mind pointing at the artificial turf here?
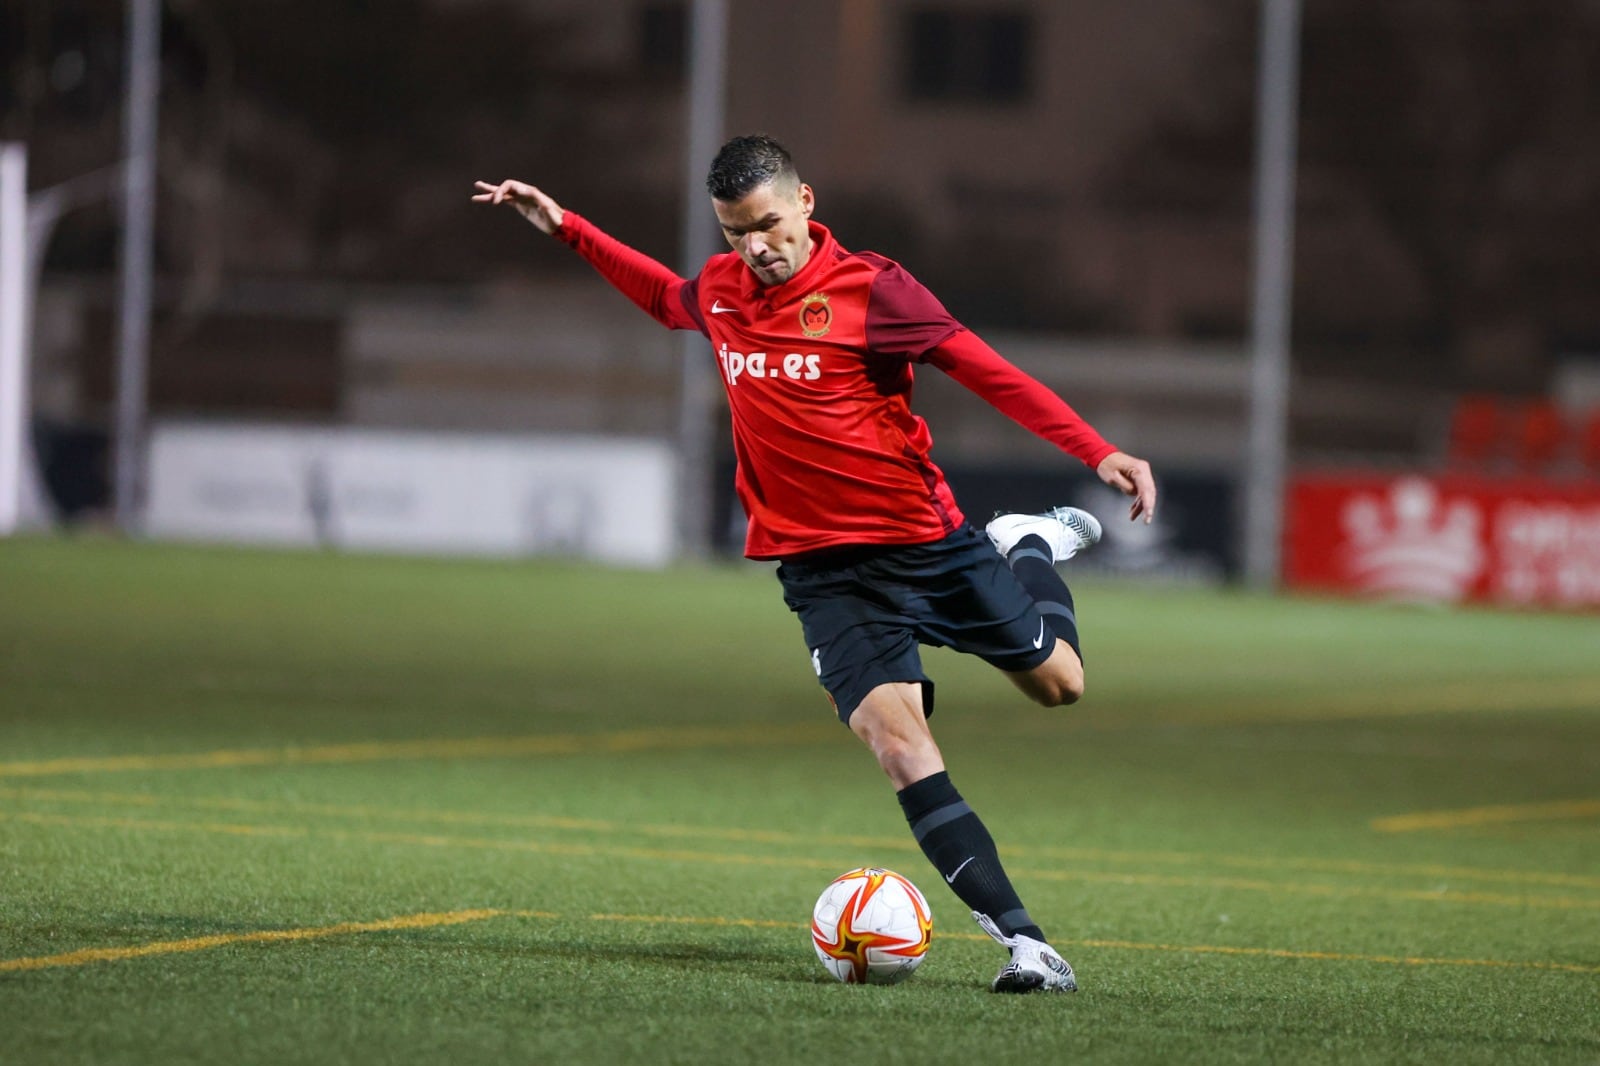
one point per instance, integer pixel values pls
(278, 807)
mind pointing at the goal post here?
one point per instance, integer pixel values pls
(14, 309)
(24, 230)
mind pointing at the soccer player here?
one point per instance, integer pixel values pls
(816, 346)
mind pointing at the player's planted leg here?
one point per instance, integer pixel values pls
(958, 844)
(1034, 967)
(892, 724)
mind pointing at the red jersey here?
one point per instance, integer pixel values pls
(818, 372)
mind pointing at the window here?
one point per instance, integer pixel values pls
(983, 57)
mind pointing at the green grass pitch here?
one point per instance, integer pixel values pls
(266, 807)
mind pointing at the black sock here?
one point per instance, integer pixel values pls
(961, 849)
(1033, 564)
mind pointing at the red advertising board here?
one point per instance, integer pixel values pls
(1445, 538)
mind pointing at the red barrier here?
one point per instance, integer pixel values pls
(1445, 538)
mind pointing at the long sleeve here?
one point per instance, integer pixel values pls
(654, 287)
(1023, 399)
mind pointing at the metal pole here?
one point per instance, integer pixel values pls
(697, 387)
(13, 331)
(1277, 108)
(138, 231)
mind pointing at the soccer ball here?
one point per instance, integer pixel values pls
(871, 926)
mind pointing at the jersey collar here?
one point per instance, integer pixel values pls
(822, 249)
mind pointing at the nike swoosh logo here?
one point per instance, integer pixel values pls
(1038, 642)
(718, 309)
(952, 878)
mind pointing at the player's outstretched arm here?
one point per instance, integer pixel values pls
(653, 286)
(529, 202)
(1131, 477)
(970, 361)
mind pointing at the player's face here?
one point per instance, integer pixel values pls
(769, 230)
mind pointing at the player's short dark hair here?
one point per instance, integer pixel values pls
(745, 164)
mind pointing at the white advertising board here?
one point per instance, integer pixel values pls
(609, 499)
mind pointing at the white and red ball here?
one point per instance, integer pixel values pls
(871, 926)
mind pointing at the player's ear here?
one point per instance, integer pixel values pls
(808, 200)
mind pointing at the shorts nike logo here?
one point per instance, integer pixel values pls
(718, 309)
(952, 878)
(1038, 642)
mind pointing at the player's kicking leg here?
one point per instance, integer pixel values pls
(1032, 545)
(890, 720)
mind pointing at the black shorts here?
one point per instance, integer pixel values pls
(865, 609)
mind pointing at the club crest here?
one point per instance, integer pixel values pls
(816, 318)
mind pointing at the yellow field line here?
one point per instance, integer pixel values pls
(1135, 945)
(771, 836)
(418, 839)
(1320, 956)
(684, 919)
(266, 936)
(1495, 899)
(86, 956)
(1385, 700)
(677, 738)
(97, 822)
(1467, 817)
(799, 862)
(1391, 701)
(1570, 693)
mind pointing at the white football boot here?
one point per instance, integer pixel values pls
(1067, 530)
(1034, 967)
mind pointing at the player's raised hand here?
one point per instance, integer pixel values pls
(530, 203)
(1131, 477)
